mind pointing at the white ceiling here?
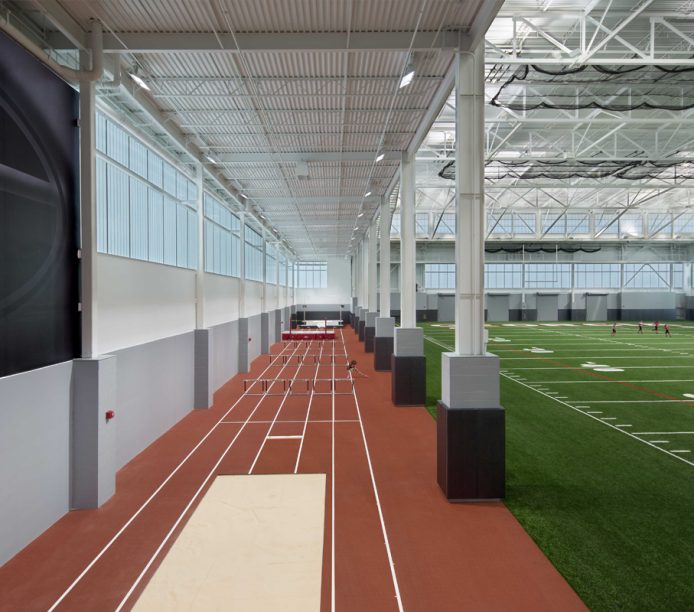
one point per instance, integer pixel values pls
(293, 99)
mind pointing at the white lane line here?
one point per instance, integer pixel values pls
(332, 480)
(396, 586)
(146, 503)
(301, 421)
(297, 437)
(308, 411)
(590, 416)
(284, 399)
(192, 499)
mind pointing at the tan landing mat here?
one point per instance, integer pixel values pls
(255, 543)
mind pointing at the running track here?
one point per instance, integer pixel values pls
(391, 540)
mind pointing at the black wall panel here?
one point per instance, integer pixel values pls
(39, 275)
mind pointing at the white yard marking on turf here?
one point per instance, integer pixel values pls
(575, 409)
(660, 441)
(608, 418)
(680, 451)
(636, 401)
(536, 349)
(608, 370)
(691, 395)
(623, 425)
(591, 411)
(664, 433)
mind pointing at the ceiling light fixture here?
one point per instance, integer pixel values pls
(244, 196)
(211, 160)
(407, 76)
(139, 80)
(367, 194)
(380, 156)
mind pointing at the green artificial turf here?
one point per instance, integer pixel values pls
(613, 514)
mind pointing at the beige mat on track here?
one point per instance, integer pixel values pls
(255, 543)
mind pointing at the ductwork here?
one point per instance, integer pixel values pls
(68, 74)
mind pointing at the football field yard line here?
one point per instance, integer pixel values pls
(663, 433)
(650, 443)
(603, 382)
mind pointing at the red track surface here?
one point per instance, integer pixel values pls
(446, 556)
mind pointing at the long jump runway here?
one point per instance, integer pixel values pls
(390, 539)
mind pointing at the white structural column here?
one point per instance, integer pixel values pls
(384, 280)
(408, 246)
(408, 363)
(364, 272)
(264, 271)
(469, 207)
(242, 267)
(470, 419)
(88, 214)
(200, 271)
(203, 382)
(385, 324)
(372, 268)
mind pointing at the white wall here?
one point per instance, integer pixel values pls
(221, 299)
(339, 289)
(254, 298)
(138, 301)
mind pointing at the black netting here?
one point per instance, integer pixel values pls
(584, 87)
(567, 169)
(540, 249)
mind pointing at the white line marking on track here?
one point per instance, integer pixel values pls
(153, 495)
(279, 410)
(298, 437)
(192, 501)
(378, 501)
(308, 411)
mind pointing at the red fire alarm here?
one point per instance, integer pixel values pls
(110, 414)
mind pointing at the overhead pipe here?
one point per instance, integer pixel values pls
(96, 44)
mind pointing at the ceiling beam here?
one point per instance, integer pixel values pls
(268, 200)
(137, 42)
(332, 156)
(61, 19)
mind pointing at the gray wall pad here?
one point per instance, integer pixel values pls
(278, 325)
(155, 391)
(264, 333)
(385, 327)
(93, 461)
(409, 342)
(243, 345)
(470, 381)
(254, 335)
(225, 354)
(35, 451)
(204, 379)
